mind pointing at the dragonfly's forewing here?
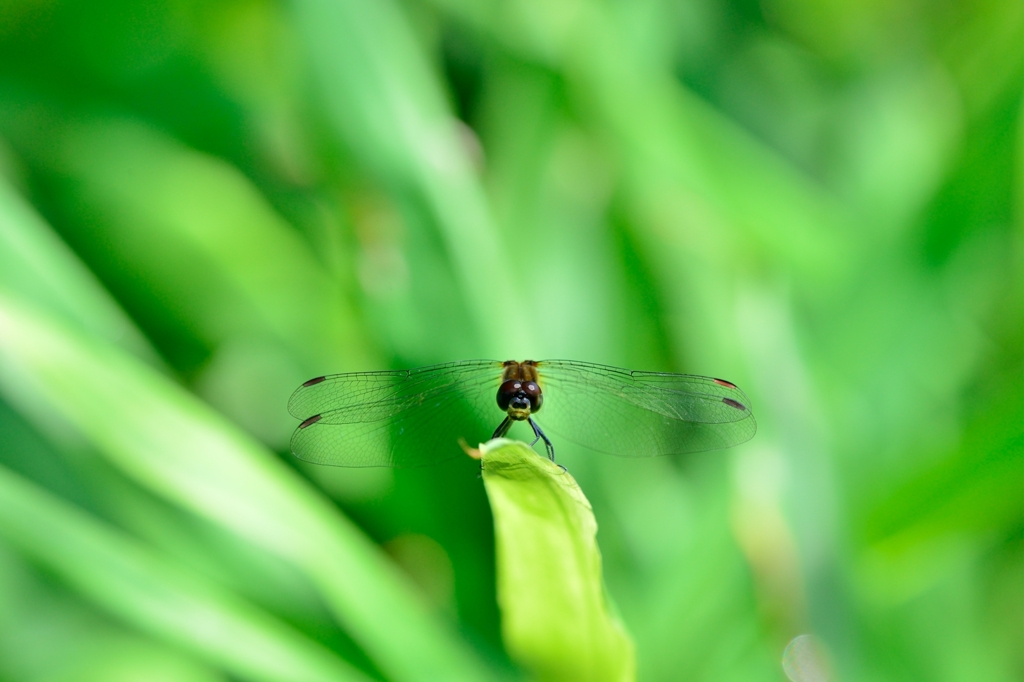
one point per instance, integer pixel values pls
(641, 414)
(396, 418)
(417, 417)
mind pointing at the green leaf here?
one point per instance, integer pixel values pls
(382, 97)
(170, 442)
(213, 242)
(39, 266)
(157, 596)
(556, 618)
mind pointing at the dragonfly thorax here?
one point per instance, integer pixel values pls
(519, 398)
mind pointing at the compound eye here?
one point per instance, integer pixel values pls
(532, 390)
(507, 391)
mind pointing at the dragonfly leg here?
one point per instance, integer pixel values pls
(503, 428)
(547, 444)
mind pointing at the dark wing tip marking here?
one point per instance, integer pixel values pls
(312, 420)
(734, 403)
(723, 382)
(313, 382)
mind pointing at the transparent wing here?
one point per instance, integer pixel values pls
(641, 414)
(405, 418)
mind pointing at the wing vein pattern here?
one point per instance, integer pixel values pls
(409, 418)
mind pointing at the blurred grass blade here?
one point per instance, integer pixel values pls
(694, 179)
(36, 264)
(156, 597)
(212, 242)
(979, 488)
(556, 620)
(170, 442)
(384, 99)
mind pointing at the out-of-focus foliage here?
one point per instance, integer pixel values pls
(202, 204)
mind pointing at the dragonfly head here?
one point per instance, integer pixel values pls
(519, 398)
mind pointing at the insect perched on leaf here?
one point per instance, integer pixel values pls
(416, 417)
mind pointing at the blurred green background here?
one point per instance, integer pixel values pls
(203, 204)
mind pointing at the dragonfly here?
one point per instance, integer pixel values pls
(419, 417)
